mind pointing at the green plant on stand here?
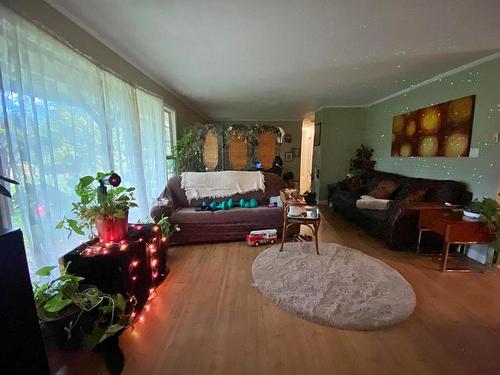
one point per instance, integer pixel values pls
(187, 153)
(94, 205)
(362, 161)
(490, 214)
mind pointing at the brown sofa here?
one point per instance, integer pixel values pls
(397, 226)
(224, 225)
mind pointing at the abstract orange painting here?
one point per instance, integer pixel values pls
(440, 130)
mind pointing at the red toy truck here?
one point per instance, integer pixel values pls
(261, 237)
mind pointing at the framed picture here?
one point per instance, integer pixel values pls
(288, 156)
(443, 129)
(317, 134)
(288, 138)
(296, 152)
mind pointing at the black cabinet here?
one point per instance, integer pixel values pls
(23, 350)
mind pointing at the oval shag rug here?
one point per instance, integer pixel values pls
(342, 287)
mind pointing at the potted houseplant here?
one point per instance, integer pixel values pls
(362, 161)
(187, 153)
(100, 207)
(490, 214)
(166, 228)
(73, 313)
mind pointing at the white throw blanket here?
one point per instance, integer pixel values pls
(367, 202)
(220, 184)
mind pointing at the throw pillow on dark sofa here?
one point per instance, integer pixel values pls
(414, 196)
(384, 189)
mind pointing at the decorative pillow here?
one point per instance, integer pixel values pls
(384, 189)
(414, 196)
(353, 184)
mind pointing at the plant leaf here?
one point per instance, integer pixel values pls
(86, 181)
(120, 302)
(101, 175)
(92, 339)
(5, 192)
(71, 277)
(57, 303)
(75, 227)
(45, 271)
(6, 179)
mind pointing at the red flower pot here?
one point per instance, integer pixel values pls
(112, 228)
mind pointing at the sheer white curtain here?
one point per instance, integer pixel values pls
(62, 117)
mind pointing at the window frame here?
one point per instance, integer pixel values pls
(172, 136)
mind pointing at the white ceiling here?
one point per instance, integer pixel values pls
(282, 59)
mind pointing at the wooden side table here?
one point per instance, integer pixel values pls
(312, 223)
(454, 230)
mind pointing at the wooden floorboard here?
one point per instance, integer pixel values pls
(208, 319)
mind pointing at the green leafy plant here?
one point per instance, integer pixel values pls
(362, 161)
(490, 214)
(93, 204)
(166, 227)
(187, 153)
(63, 296)
(53, 296)
(3, 189)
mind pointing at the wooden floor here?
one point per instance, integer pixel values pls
(208, 319)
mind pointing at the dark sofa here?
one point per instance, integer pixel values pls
(225, 225)
(397, 226)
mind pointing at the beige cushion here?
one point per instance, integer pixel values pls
(369, 203)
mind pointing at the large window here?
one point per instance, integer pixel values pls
(62, 117)
(170, 131)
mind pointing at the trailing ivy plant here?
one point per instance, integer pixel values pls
(62, 296)
(54, 295)
(92, 205)
(187, 153)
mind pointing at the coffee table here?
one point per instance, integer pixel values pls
(454, 230)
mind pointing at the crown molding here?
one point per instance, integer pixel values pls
(448, 73)
(341, 106)
(257, 121)
(438, 77)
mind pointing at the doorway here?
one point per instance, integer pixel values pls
(306, 155)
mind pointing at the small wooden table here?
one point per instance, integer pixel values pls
(311, 222)
(454, 230)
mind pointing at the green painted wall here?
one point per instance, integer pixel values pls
(482, 173)
(342, 131)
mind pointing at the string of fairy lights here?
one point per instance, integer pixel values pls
(152, 246)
